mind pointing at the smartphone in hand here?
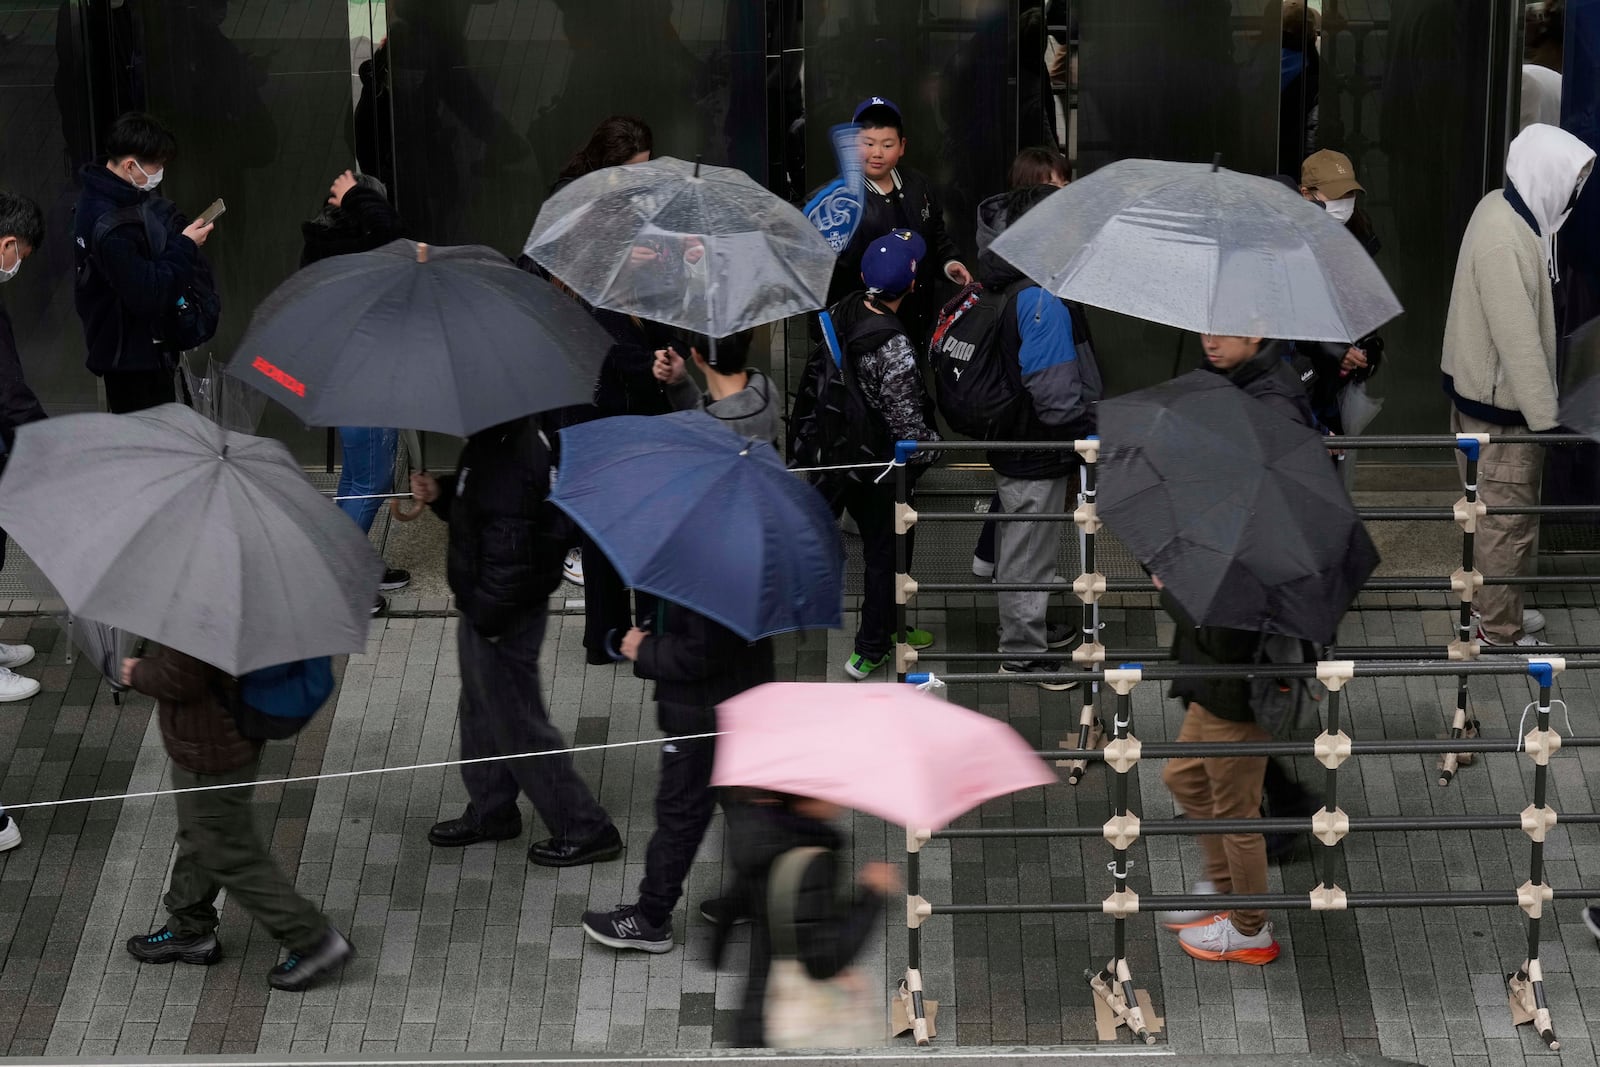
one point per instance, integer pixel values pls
(212, 213)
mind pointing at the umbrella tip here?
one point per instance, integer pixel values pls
(422, 252)
(1216, 162)
(697, 161)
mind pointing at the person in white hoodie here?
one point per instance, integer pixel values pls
(1499, 359)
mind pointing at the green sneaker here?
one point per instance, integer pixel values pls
(917, 638)
(858, 666)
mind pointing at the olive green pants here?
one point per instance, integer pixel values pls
(218, 848)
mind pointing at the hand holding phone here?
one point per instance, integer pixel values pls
(212, 213)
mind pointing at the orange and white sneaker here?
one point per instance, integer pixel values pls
(1182, 920)
(1219, 941)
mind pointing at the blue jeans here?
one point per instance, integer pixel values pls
(368, 470)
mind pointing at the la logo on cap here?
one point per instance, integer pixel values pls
(878, 100)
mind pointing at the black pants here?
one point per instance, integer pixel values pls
(683, 807)
(872, 506)
(135, 390)
(608, 605)
(501, 712)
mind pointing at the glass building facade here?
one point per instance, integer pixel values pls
(467, 109)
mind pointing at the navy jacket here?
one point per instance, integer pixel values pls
(698, 662)
(122, 298)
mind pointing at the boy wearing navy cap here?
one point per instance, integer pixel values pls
(898, 198)
(885, 364)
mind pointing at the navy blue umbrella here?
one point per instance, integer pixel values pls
(688, 510)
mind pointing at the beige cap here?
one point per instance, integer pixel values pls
(1331, 174)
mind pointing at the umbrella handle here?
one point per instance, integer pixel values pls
(400, 513)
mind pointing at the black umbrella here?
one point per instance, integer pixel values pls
(452, 340)
(1236, 508)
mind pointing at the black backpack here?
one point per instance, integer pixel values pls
(1284, 707)
(830, 421)
(193, 319)
(979, 392)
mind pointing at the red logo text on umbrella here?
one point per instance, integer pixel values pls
(279, 375)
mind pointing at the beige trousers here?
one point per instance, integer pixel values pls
(1508, 476)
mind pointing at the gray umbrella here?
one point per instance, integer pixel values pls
(702, 248)
(1204, 249)
(214, 543)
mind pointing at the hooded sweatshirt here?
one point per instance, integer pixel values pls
(1499, 359)
(751, 412)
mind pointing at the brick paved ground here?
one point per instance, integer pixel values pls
(476, 951)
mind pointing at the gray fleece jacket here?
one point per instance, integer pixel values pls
(751, 412)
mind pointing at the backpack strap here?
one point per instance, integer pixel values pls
(131, 215)
(783, 889)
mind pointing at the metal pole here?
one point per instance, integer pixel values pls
(1462, 725)
(1526, 985)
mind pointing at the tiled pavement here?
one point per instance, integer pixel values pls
(476, 951)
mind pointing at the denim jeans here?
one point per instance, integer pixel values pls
(368, 470)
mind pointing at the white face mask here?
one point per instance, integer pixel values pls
(7, 273)
(1341, 210)
(151, 178)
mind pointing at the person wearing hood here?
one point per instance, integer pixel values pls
(1046, 344)
(1499, 358)
(741, 398)
(125, 287)
(829, 930)
(358, 217)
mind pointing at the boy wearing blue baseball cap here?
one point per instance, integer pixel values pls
(884, 361)
(898, 198)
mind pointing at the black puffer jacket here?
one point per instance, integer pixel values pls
(507, 540)
(829, 930)
(363, 221)
(1270, 379)
(696, 661)
(197, 730)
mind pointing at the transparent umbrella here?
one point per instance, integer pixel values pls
(701, 248)
(1201, 248)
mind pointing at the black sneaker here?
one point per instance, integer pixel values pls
(627, 928)
(1035, 666)
(1591, 919)
(1060, 635)
(394, 578)
(379, 607)
(164, 946)
(298, 972)
(719, 910)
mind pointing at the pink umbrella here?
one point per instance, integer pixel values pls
(888, 750)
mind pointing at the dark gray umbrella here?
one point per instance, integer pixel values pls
(1237, 509)
(214, 543)
(452, 340)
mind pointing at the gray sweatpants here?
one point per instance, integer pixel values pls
(1026, 552)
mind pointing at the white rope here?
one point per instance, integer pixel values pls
(374, 496)
(357, 774)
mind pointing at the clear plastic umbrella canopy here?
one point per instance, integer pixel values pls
(1203, 249)
(701, 248)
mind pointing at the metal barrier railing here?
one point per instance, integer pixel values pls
(1121, 750)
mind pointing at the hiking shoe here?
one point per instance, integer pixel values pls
(299, 971)
(1060, 635)
(982, 568)
(1527, 640)
(1034, 666)
(164, 946)
(14, 686)
(15, 655)
(10, 833)
(1532, 620)
(1591, 919)
(394, 578)
(1219, 941)
(1182, 920)
(572, 567)
(916, 638)
(627, 928)
(726, 910)
(859, 666)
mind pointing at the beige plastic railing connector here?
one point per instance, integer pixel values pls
(915, 839)
(1459, 650)
(1332, 749)
(1123, 754)
(1537, 822)
(1467, 513)
(1091, 653)
(1089, 587)
(1330, 827)
(905, 588)
(1123, 679)
(1123, 902)
(1557, 663)
(904, 657)
(1087, 516)
(1541, 745)
(1531, 898)
(1089, 450)
(1122, 830)
(1328, 898)
(1466, 583)
(1333, 673)
(918, 911)
(905, 517)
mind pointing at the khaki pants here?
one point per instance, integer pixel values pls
(1224, 787)
(1508, 476)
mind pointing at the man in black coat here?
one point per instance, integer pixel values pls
(126, 290)
(696, 664)
(506, 545)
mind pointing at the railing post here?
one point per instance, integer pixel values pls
(1526, 984)
(1465, 582)
(904, 519)
(1090, 652)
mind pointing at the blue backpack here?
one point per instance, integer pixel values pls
(276, 702)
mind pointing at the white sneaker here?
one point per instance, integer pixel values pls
(572, 569)
(983, 568)
(1219, 941)
(16, 687)
(1182, 920)
(1532, 620)
(10, 834)
(15, 655)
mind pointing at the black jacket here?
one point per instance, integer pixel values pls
(124, 296)
(362, 222)
(1269, 378)
(911, 206)
(697, 662)
(829, 930)
(18, 405)
(507, 540)
(1192, 645)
